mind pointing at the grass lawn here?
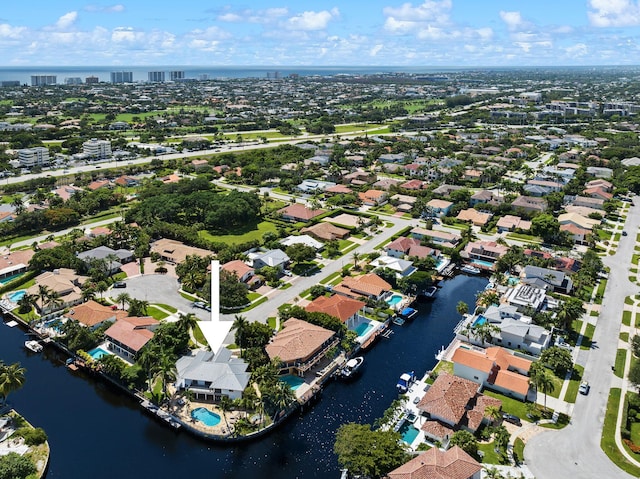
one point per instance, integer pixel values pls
(635, 432)
(253, 296)
(624, 337)
(489, 455)
(518, 450)
(557, 386)
(332, 279)
(250, 232)
(171, 309)
(523, 237)
(588, 335)
(574, 383)
(628, 300)
(189, 297)
(608, 441)
(155, 313)
(260, 301)
(621, 357)
(197, 333)
(444, 366)
(271, 321)
(510, 405)
(637, 319)
(626, 318)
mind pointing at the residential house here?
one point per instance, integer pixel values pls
(338, 190)
(482, 196)
(275, 258)
(579, 236)
(577, 220)
(443, 238)
(495, 368)
(598, 192)
(474, 216)
(511, 223)
(210, 376)
(402, 268)
(484, 251)
(297, 212)
(199, 164)
(314, 186)
(435, 463)
(439, 208)
(529, 204)
(373, 197)
(566, 265)
(97, 184)
(64, 283)
(300, 345)
(302, 239)
(240, 269)
(589, 202)
(67, 191)
(414, 185)
(368, 285)
(446, 190)
(13, 263)
(525, 296)
(126, 181)
(175, 252)
(600, 183)
(113, 259)
(386, 183)
(127, 336)
(550, 186)
(325, 232)
(452, 404)
(93, 315)
(338, 306)
(599, 172)
(549, 279)
(409, 247)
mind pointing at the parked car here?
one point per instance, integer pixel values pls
(198, 304)
(624, 233)
(119, 284)
(512, 419)
(584, 388)
(286, 272)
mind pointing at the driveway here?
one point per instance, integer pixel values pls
(575, 450)
(158, 288)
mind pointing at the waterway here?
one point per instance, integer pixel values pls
(98, 432)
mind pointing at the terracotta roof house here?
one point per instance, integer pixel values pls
(127, 336)
(373, 197)
(413, 185)
(439, 208)
(598, 192)
(299, 212)
(368, 285)
(456, 402)
(198, 164)
(338, 306)
(488, 251)
(474, 216)
(529, 204)
(300, 346)
(98, 231)
(325, 231)
(600, 183)
(386, 183)
(589, 202)
(67, 191)
(65, 283)
(97, 184)
(453, 463)
(126, 181)
(511, 223)
(14, 262)
(400, 247)
(210, 376)
(176, 252)
(578, 235)
(93, 315)
(494, 367)
(240, 269)
(444, 238)
(338, 190)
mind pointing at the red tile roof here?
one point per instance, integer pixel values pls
(298, 341)
(448, 397)
(336, 306)
(453, 463)
(299, 211)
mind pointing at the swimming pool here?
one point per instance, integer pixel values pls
(363, 328)
(479, 321)
(8, 279)
(394, 299)
(205, 416)
(55, 324)
(408, 432)
(294, 382)
(483, 263)
(97, 353)
(17, 295)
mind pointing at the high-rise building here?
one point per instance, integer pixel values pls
(30, 157)
(73, 81)
(156, 77)
(273, 75)
(91, 80)
(6, 83)
(176, 75)
(41, 80)
(95, 148)
(203, 77)
(121, 77)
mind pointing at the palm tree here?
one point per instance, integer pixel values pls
(462, 308)
(280, 396)
(43, 294)
(356, 257)
(166, 370)
(11, 379)
(187, 321)
(101, 287)
(492, 413)
(123, 298)
(542, 380)
(225, 405)
(571, 310)
(240, 324)
(54, 301)
(26, 303)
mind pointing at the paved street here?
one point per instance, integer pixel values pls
(575, 450)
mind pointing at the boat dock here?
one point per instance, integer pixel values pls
(448, 271)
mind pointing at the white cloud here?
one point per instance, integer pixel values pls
(512, 19)
(310, 21)
(577, 50)
(268, 15)
(230, 17)
(430, 10)
(375, 50)
(108, 9)
(614, 13)
(67, 20)
(11, 32)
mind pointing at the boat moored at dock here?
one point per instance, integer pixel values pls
(33, 345)
(469, 269)
(405, 382)
(351, 367)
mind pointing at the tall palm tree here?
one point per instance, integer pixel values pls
(543, 381)
(11, 379)
(280, 396)
(240, 324)
(123, 298)
(187, 321)
(356, 257)
(571, 309)
(54, 301)
(462, 308)
(225, 405)
(166, 370)
(43, 294)
(492, 413)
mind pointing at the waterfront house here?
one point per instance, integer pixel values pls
(442, 238)
(435, 463)
(486, 251)
(401, 267)
(93, 314)
(325, 231)
(345, 309)
(409, 247)
(209, 376)
(297, 212)
(127, 336)
(300, 345)
(495, 368)
(368, 285)
(175, 252)
(64, 283)
(549, 279)
(451, 404)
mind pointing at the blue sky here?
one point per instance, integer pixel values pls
(319, 32)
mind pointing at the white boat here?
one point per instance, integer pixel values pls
(351, 368)
(467, 268)
(405, 382)
(33, 345)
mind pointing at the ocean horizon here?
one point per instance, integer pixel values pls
(140, 73)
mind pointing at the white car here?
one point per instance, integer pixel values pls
(584, 388)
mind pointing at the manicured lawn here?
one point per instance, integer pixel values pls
(444, 366)
(510, 405)
(169, 308)
(608, 442)
(260, 301)
(523, 237)
(624, 337)
(626, 318)
(637, 319)
(253, 296)
(518, 450)
(188, 296)
(621, 357)
(155, 313)
(588, 335)
(197, 333)
(331, 279)
(490, 456)
(574, 383)
(271, 321)
(628, 300)
(251, 232)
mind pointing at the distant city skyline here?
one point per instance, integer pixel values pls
(270, 32)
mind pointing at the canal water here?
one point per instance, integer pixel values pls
(98, 432)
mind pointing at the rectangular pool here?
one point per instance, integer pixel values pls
(408, 432)
(294, 382)
(97, 353)
(363, 328)
(483, 263)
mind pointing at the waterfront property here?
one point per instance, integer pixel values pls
(127, 336)
(453, 463)
(348, 310)
(205, 416)
(367, 285)
(64, 283)
(92, 314)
